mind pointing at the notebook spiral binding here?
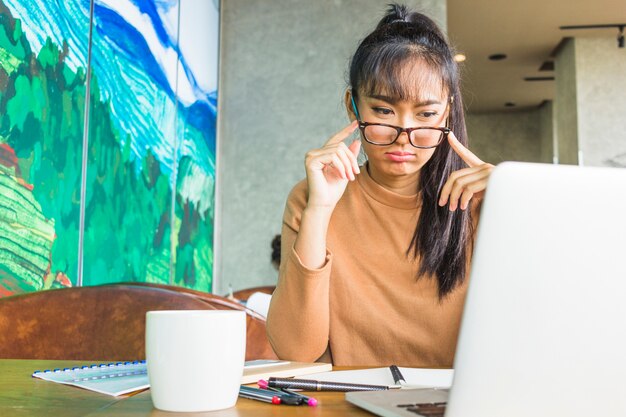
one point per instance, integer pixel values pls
(107, 367)
(94, 366)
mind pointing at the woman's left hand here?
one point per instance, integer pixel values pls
(467, 183)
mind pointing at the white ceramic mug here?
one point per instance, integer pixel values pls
(195, 358)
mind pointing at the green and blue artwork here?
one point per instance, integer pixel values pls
(145, 183)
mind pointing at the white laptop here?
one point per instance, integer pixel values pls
(544, 326)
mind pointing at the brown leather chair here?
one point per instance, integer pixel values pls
(89, 323)
(243, 295)
(84, 323)
(257, 344)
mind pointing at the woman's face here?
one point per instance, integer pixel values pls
(428, 107)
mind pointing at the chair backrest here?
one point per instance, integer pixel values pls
(257, 343)
(216, 300)
(84, 323)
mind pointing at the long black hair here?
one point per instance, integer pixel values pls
(442, 238)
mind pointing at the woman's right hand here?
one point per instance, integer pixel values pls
(329, 168)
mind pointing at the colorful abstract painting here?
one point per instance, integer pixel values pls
(148, 203)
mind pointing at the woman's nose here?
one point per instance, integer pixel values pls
(403, 138)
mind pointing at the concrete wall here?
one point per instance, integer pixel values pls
(590, 102)
(549, 144)
(566, 113)
(282, 80)
(601, 99)
(512, 136)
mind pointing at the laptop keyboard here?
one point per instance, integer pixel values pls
(426, 409)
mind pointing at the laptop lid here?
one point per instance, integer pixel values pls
(544, 325)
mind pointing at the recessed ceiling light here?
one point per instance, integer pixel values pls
(460, 57)
(497, 57)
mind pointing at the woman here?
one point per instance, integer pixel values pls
(375, 258)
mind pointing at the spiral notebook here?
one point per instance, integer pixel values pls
(119, 378)
(116, 378)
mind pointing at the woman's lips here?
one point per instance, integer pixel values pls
(400, 156)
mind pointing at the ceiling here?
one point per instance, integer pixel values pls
(527, 31)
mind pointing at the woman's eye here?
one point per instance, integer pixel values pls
(428, 114)
(382, 110)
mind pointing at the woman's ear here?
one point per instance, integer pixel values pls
(347, 101)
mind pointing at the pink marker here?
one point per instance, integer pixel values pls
(310, 401)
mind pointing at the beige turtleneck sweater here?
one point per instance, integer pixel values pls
(365, 306)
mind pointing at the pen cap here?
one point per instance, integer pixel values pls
(195, 358)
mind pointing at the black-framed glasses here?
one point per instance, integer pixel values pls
(420, 137)
(381, 134)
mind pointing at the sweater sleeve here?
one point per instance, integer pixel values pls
(298, 317)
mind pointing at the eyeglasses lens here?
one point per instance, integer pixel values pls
(426, 137)
(381, 135)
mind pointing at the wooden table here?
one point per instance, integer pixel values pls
(22, 395)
